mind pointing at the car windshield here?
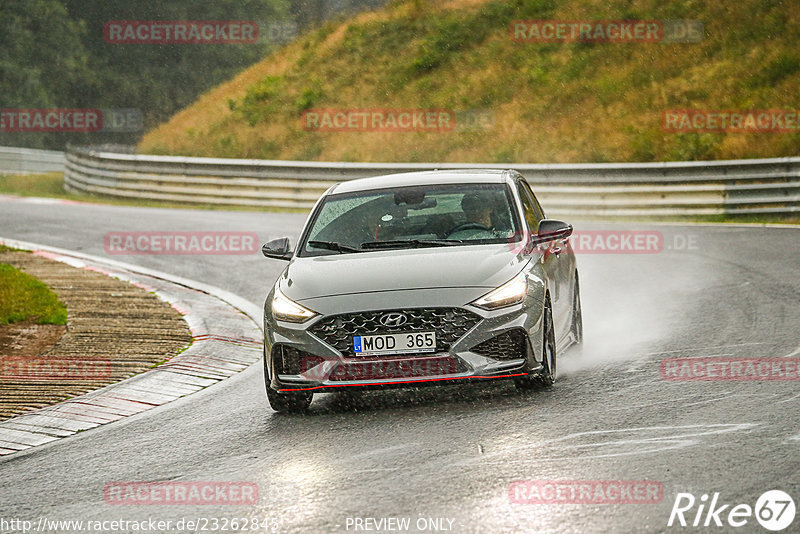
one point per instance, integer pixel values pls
(411, 217)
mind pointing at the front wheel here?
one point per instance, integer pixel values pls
(577, 314)
(547, 376)
(293, 402)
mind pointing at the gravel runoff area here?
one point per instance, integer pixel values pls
(121, 323)
(114, 330)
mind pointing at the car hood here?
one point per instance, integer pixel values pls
(484, 266)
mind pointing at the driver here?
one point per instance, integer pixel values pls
(478, 209)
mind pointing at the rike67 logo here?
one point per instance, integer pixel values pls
(774, 510)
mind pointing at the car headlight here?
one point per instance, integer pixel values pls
(285, 309)
(512, 292)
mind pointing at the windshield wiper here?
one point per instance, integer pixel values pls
(333, 245)
(400, 243)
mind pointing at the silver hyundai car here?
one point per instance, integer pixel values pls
(420, 278)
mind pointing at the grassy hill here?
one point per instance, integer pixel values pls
(537, 102)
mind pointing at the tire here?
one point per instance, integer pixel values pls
(547, 376)
(295, 402)
(577, 314)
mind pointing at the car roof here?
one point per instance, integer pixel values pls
(390, 181)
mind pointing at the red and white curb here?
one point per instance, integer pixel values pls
(226, 336)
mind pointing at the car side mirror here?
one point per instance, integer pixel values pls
(551, 230)
(280, 249)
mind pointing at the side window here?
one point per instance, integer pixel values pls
(536, 206)
(528, 208)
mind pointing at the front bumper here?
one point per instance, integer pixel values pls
(402, 372)
(324, 367)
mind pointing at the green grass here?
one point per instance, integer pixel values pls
(23, 298)
(49, 185)
(52, 186)
(552, 102)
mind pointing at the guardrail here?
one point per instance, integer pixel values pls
(762, 186)
(14, 160)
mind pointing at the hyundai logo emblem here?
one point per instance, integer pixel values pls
(393, 319)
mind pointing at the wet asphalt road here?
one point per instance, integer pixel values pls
(446, 457)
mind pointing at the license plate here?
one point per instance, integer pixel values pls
(404, 343)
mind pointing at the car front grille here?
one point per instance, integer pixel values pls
(448, 323)
(510, 345)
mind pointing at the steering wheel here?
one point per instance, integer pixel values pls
(468, 226)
